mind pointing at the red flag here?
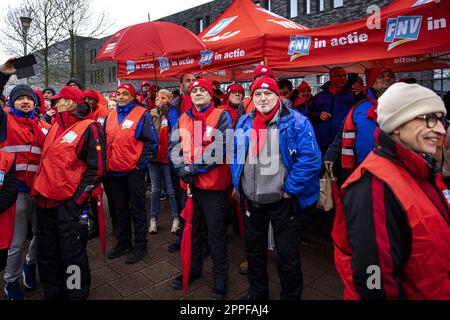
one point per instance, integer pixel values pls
(186, 240)
(97, 193)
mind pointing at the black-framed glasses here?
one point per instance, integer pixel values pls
(432, 120)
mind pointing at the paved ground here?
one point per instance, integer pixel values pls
(151, 278)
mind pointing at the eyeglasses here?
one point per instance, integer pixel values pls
(432, 120)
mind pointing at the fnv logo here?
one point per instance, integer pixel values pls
(402, 29)
(164, 64)
(206, 57)
(219, 27)
(131, 67)
(299, 46)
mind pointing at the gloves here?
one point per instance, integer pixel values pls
(190, 180)
(186, 175)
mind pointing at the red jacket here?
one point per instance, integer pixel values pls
(122, 148)
(6, 217)
(24, 138)
(424, 274)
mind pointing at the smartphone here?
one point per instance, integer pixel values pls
(25, 61)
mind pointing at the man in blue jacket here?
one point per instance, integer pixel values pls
(330, 107)
(276, 167)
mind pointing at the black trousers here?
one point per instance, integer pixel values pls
(210, 208)
(3, 258)
(129, 199)
(62, 246)
(284, 216)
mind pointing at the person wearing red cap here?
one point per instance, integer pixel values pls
(276, 165)
(235, 101)
(22, 133)
(304, 99)
(131, 143)
(99, 109)
(145, 87)
(355, 141)
(260, 71)
(151, 97)
(201, 132)
(71, 168)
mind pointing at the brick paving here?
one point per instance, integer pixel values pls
(150, 279)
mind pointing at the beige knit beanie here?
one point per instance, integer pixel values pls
(402, 102)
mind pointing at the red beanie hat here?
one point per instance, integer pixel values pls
(303, 85)
(129, 87)
(263, 70)
(204, 83)
(265, 83)
(373, 73)
(70, 93)
(235, 87)
(91, 94)
(112, 95)
(145, 83)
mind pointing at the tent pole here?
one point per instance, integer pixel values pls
(154, 68)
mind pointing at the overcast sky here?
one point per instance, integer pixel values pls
(124, 12)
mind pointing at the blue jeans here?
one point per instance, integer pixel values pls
(159, 171)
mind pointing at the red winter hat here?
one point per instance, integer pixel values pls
(112, 95)
(235, 87)
(303, 85)
(204, 83)
(263, 70)
(91, 94)
(70, 93)
(129, 87)
(373, 73)
(154, 87)
(144, 83)
(265, 83)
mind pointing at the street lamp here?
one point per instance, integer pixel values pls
(26, 23)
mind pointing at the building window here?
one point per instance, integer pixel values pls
(207, 21)
(92, 77)
(184, 24)
(200, 25)
(268, 4)
(293, 9)
(307, 6)
(320, 5)
(338, 3)
(102, 76)
(92, 55)
(441, 81)
(114, 74)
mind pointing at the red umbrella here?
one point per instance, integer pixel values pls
(149, 39)
(97, 194)
(186, 240)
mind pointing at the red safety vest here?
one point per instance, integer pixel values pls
(6, 217)
(232, 111)
(122, 148)
(21, 140)
(217, 178)
(426, 273)
(163, 141)
(60, 171)
(348, 157)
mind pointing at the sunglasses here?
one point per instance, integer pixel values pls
(432, 120)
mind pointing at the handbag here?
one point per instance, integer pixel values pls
(329, 192)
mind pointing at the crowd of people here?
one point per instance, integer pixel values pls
(255, 161)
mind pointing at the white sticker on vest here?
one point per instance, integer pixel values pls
(101, 121)
(248, 214)
(127, 124)
(447, 195)
(45, 131)
(2, 177)
(208, 131)
(69, 137)
(164, 123)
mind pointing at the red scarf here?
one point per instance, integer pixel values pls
(186, 103)
(259, 123)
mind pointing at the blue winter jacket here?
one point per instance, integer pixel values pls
(299, 152)
(338, 106)
(365, 128)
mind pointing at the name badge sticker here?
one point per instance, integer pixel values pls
(69, 137)
(127, 124)
(2, 177)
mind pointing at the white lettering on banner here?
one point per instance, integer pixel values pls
(186, 61)
(234, 54)
(401, 60)
(351, 38)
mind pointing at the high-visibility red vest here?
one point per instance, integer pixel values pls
(21, 140)
(163, 141)
(348, 144)
(426, 273)
(232, 111)
(60, 171)
(219, 177)
(6, 217)
(122, 148)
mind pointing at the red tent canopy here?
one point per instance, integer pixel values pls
(411, 35)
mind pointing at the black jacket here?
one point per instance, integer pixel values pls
(9, 191)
